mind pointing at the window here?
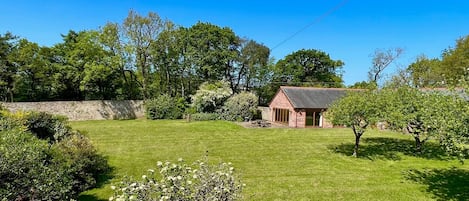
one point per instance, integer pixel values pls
(281, 115)
(313, 118)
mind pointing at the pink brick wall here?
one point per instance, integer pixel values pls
(296, 118)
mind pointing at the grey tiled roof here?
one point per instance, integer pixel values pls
(309, 97)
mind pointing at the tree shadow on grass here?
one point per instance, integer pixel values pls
(90, 198)
(444, 184)
(101, 180)
(391, 149)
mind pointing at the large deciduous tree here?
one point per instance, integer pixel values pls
(381, 59)
(213, 51)
(426, 72)
(35, 74)
(7, 68)
(141, 32)
(358, 110)
(309, 67)
(455, 62)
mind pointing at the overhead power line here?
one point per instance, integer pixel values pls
(316, 20)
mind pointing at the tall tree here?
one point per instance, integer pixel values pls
(381, 60)
(7, 68)
(141, 32)
(253, 61)
(113, 41)
(213, 51)
(455, 62)
(309, 67)
(426, 72)
(101, 70)
(35, 72)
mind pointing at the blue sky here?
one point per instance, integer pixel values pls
(351, 33)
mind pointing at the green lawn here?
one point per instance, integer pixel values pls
(284, 164)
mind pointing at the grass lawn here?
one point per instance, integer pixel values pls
(282, 163)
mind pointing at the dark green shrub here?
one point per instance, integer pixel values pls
(27, 171)
(78, 156)
(205, 116)
(47, 126)
(164, 107)
(240, 107)
(41, 158)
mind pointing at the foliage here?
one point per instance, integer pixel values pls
(47, 126)
(164, 107)
(26, 171)
(357, 110)
(205, 116)
(43, 159)
(211, 96)
(455, 62)
(426, 72)
(179, 181)
(309, 66)
(7, 68)
(240, 106)
(80, 159)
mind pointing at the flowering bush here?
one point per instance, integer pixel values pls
(240, 107)
(211, 96)
(179, 181)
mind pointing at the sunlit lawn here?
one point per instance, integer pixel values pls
(284, 164)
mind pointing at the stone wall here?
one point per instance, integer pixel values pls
(84, 110)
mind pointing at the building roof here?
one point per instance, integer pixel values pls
(312, 97)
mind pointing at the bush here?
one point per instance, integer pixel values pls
(178, 181)
(41, 158)
(27, 172)
(78, 156)
(211, 96)
(240, 107)
(47, 126)
(205, 116)
(164, 107)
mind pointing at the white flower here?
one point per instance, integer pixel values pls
(111, 198)
(179, 177)
(132, 197)
(152, 170)
(180, 159)
(189, 182)
(144, 176)
(113, 188)
(159, 163)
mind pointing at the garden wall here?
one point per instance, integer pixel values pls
(265, 112)
(84, 110)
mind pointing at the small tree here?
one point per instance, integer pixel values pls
(211, 96)
(423, 114)
(356, 110)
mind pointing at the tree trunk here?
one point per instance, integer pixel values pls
(355, 148)
(358, 134)
(418, 145)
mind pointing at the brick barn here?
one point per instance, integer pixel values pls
(301, 107)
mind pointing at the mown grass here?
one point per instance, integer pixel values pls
(283, 163)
